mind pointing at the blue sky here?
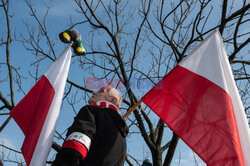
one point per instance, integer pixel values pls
(57, 21)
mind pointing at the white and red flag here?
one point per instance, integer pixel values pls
(37, 113)
(200, 102)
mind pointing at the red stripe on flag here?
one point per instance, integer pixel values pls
(200, 113)
(30, 114)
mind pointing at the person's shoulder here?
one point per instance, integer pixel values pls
(89, 108)
(87, 111)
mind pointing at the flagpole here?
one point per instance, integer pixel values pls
(131, 110)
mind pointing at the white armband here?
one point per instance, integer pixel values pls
(80, 137)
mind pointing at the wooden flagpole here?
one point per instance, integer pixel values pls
(131, 110)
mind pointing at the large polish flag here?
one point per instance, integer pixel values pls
(37, 113)
(200, 102)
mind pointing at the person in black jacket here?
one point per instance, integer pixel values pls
(146, 162)
(97, 135)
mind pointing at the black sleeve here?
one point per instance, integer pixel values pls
(84, 123)
(67, 157)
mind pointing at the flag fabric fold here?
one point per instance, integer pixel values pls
(37, 113)
(200, 102)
